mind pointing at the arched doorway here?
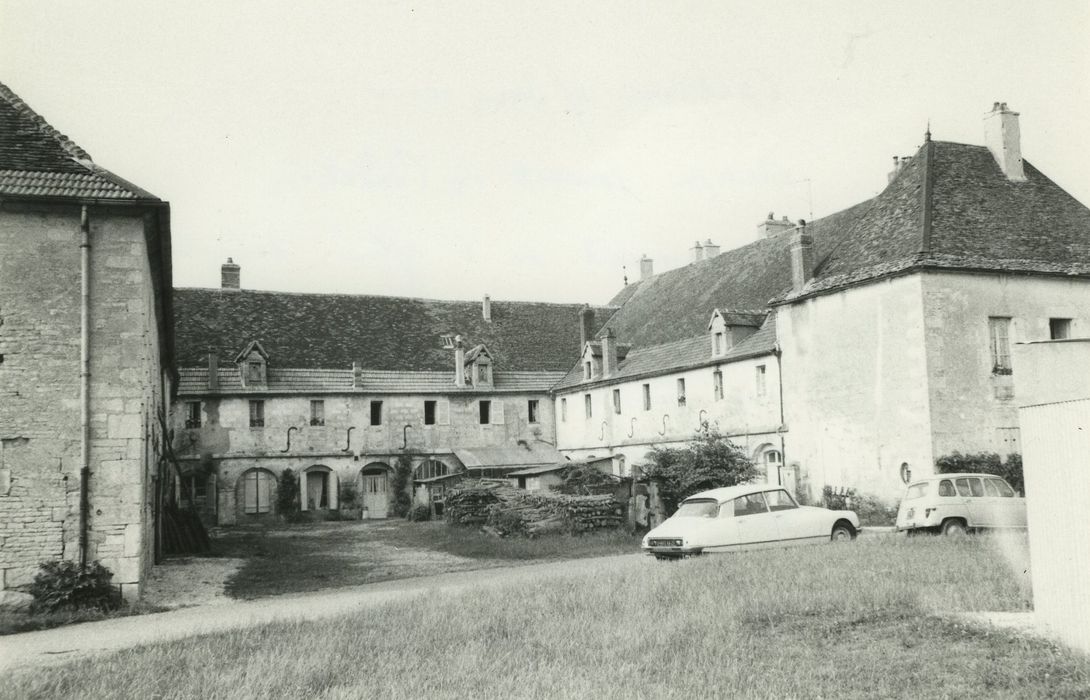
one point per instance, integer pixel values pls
(318, 490)
(431, 472)
(769, 460)
(375, 490)
(255, 494)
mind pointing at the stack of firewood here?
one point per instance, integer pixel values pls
(505, 510)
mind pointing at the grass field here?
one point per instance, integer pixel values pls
(868, 619)
(315, 556)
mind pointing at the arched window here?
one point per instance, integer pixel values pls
(257, 491)
(431, 468)
(318, 489)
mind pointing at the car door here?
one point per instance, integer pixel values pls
(753, 522)
(1009, 508)
(971, 491)
(794, 525)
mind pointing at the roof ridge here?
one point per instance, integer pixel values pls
(70, 147)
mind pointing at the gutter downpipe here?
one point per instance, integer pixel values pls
(783, 450)
(85, 384)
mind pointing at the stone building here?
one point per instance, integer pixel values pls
(337, 387)
(858, 348)
(85, 352)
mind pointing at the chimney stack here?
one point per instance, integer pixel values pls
(213, 371)
(609, 353)
(770, 226)
(802, 257)
(1004, 140)
(710, 249)
(357, 375)
(647, 268)
(459, 362)
(697, 252)
(230, 275)
(586, 326)
(486, 308)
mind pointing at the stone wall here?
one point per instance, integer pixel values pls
(39, 392)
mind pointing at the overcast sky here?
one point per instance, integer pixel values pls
(527, 150)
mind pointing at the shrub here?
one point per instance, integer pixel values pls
(872, 510)
(837, 498)
(711, 460)
(64, 585)
(287, 495)
(403, 472)
(347, 494)
(419, 512)
(986, 463)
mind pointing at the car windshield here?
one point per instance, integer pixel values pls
(698, 509)
(917, 491)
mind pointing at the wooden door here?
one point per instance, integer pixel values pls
(375, 498)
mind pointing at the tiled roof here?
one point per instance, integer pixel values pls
(194, 381)
(532, 454)
(381, 333)
(37, 160)
(678, 355)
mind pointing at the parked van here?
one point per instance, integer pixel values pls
(956, 503)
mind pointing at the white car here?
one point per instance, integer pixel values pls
(956, 503)
(746, 517)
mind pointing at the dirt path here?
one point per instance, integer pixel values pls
(48, 647)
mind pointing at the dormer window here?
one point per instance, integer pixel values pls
(478, 364)
(587, 370)
(484, 373)
(729, 328)
(252, 363)
(718, 342)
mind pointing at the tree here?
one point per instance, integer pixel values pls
(710, 461)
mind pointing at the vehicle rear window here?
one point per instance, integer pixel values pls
(703, 508)
(917, 491)
(946, 488)
(1004, 489)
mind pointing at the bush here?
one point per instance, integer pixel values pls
(347, 494)
(63, 585)
(711, 460)
(872, 510)
(837, 499)
(986, 463)
(287, 495)
(403, 472)
(419, 512)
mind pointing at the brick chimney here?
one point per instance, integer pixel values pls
(586, 326)
(230, 275)
(459, 362)
(710, 249)
(357, 375)
(213, 371)
(696, 253)
(1004, 140)
(802, 257)
(486, 308)
(609, 353)
(647, 267)
(770, 226)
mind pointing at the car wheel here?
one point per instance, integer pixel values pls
(954, 528)
(842, 533)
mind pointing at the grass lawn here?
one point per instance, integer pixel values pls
(862, 620)
(314, 556)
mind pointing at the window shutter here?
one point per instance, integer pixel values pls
(334, 490)
(442, 412)
(249, 492)
(497, 412)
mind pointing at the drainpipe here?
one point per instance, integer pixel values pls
(84, 384)
(783, 451)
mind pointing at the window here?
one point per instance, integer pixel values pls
(717, 385)
(485, 408)
(617, 401)
(563, 410)
(531, 411)
(1004, 489)
(760, 380)
(647, 397)
(484, 374)
(257, 487)
(969, 487)
(753, 504)
(999, 337)
(681, 391)
(586, 405)
(717, 343)
(698, 508)
(376, 413)
(1059, 328)
(195, 489)
(431, 468)
(255, 372)
(193, 414)
(586, 370)
(946, 489)
(429, 413)
(317, 412)
(779, 500)
(257, 414)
